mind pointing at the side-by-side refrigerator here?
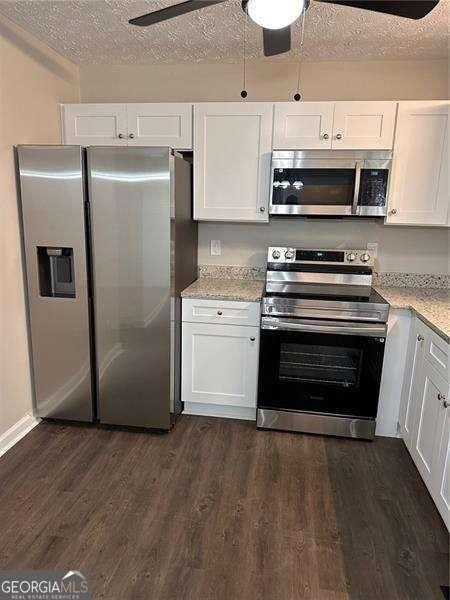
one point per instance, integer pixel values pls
(109, 244)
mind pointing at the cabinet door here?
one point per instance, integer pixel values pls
(160, 124)
(411, 381)
(441, 484)
(94, 124)
(303, 125)
(232, 157)
(429, 422)
(364, 125)
(419, 182)
(220, 364)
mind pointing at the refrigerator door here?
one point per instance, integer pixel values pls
(53, 219)
(130, 221)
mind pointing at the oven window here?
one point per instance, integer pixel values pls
(327, 365)
(311, 187)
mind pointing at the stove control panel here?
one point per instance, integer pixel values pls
(352, 257)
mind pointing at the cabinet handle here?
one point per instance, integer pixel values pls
(446, 404)
(325, 136)
(420, 338)
(131, 136)
(120, 136)
(220, 313)
(252, 339)
(443, 398)
(262, 209)
(393, 211)
(339, 136)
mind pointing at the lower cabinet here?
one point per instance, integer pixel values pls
(219, 361)
(424, 418)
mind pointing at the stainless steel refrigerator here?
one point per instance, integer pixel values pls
(109, 243)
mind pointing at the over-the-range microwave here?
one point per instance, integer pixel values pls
(330, 182)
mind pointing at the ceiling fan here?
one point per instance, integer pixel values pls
(276, 17)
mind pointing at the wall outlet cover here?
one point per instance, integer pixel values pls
(216, 249)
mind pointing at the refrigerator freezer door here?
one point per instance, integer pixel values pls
(52, 200)
(130, 220)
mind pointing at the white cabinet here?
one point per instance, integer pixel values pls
(232, 157)
(219, 362)
(150, 124)
(337, 125)
(419, 193)
(164, 124)
(425, 412)
(94, 124)
(302, 125)
(364, 125)
(429, 421)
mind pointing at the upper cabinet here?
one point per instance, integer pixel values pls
(153, 124)
(232, 155)
(94, 124)
(337, 125)
(303, 125)
(419, 192)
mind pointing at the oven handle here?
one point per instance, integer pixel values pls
(310, 326)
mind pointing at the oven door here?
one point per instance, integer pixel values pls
(315, 187)
(322, 367)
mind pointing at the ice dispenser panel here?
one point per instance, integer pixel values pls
(56, 272)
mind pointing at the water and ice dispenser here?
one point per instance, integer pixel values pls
(56, 272)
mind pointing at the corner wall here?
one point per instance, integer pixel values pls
(33, 80)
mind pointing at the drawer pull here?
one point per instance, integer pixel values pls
(220, 313)
(420, 338)
(252, 339)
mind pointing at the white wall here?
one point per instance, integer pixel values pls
(402, 249)
(33, 80)
(266, 80)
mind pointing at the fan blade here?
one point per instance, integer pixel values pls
(276, 41)
(172, 11)
(411, 9)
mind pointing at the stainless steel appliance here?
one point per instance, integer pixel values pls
(330, 183)
(323, 331)
(109, 243)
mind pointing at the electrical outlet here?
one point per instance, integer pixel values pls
(373, 248)
(216, 249)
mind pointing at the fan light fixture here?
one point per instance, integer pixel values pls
(275, 15)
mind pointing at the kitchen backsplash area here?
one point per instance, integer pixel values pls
(406, 257)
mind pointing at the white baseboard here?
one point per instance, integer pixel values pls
(220, 410)
(17, 432)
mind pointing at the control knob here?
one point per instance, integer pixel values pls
(289, 254)
(351, 257)
(365, 257)
(276, 254)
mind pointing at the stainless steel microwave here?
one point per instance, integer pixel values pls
(330, 182)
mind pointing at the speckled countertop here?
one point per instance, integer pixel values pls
(431, 305)
(245, 290)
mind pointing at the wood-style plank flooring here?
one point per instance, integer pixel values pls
(216, 510)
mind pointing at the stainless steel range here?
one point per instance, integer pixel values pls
(323, 332)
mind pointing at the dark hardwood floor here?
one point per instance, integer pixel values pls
(216, 510)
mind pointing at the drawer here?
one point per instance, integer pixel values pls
(225, 312)
(437, 352)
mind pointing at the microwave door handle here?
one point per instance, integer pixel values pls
(357, 186)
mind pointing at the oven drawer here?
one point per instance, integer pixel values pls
(225, 312)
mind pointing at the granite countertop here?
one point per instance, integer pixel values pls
(431, 305)
(245, 290)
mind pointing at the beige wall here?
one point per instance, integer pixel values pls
(402, 249)
(33, 80)
(267, 80)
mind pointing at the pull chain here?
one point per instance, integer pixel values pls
(297, 95)
(244, 91)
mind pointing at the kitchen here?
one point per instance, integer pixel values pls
(264, 260)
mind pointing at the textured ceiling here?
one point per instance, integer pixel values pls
(97, 32)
